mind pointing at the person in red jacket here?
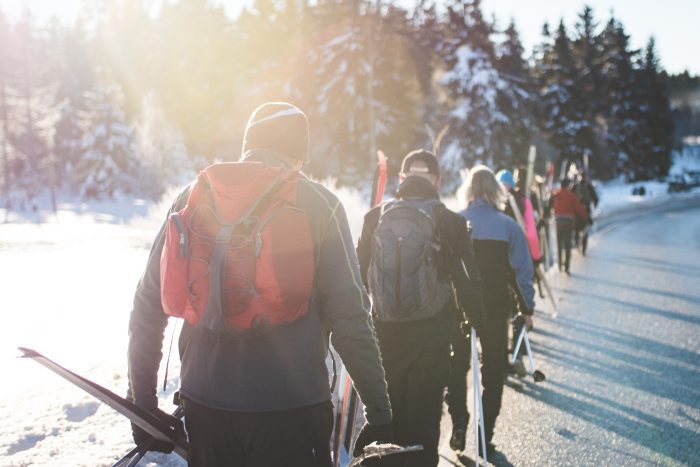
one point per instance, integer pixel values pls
(566, 208)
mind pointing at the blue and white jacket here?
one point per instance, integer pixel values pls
(502, 254)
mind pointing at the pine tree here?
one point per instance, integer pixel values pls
(74, 75)
(559, 119)
(424, 40)
(5, 65)
(515, 101)
(586, 91)
(363, 100)
(656, 119)
(161, 151)
(108, 165)
(472, 84)
(200, 71)
(622, 103)
(28, 111)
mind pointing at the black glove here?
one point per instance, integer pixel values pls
(371, 433)
(141, 438)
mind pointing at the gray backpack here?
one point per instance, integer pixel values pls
(406, 255)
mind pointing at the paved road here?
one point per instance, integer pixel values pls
(622, 358)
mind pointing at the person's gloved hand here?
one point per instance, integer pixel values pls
(141, 437)
(371, 433)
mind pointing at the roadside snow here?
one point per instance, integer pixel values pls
(618, 194)
(69, 279)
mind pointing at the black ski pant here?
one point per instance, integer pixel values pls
(565, 228)
(294, 438)
(416, 378)
(456, 396)
(494, 360)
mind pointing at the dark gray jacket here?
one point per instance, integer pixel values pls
(282, 369)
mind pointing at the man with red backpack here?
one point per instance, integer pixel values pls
(259, 262)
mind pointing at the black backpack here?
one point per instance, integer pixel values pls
(404, 273)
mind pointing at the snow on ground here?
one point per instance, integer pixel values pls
(617, 194)
(68, 281)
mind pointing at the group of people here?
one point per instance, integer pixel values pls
(260, 262)
(571, 205)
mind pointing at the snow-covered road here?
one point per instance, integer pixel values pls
(622, 359)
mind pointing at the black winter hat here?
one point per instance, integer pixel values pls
(278, 127)
(427, 157)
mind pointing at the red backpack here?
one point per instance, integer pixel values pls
(240, 254)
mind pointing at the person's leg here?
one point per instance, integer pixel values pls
(456, 396)
(494, 343)
(424, 396)
(396, 365)
(212, 439)
(293, 438)
(566, 233)
(560, 244)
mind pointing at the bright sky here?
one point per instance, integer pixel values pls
(674, 23)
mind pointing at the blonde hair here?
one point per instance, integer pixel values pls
(482, 183)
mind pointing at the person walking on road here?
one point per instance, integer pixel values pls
(566, 208)
(587, 195)
(525, 208)
(525, 214)
(504, 261)
(414, 253)
(259, 261)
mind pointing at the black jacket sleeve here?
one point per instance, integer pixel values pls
(364, 245)
(463, 268)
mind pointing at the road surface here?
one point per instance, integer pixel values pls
(622, 359)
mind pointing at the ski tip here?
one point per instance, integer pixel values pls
(28, 353)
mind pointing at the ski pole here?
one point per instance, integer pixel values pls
(478, 407)
(536, 374)
(133, 457)
(517, 345)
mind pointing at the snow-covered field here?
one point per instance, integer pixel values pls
(68, 281)
(67, 284)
